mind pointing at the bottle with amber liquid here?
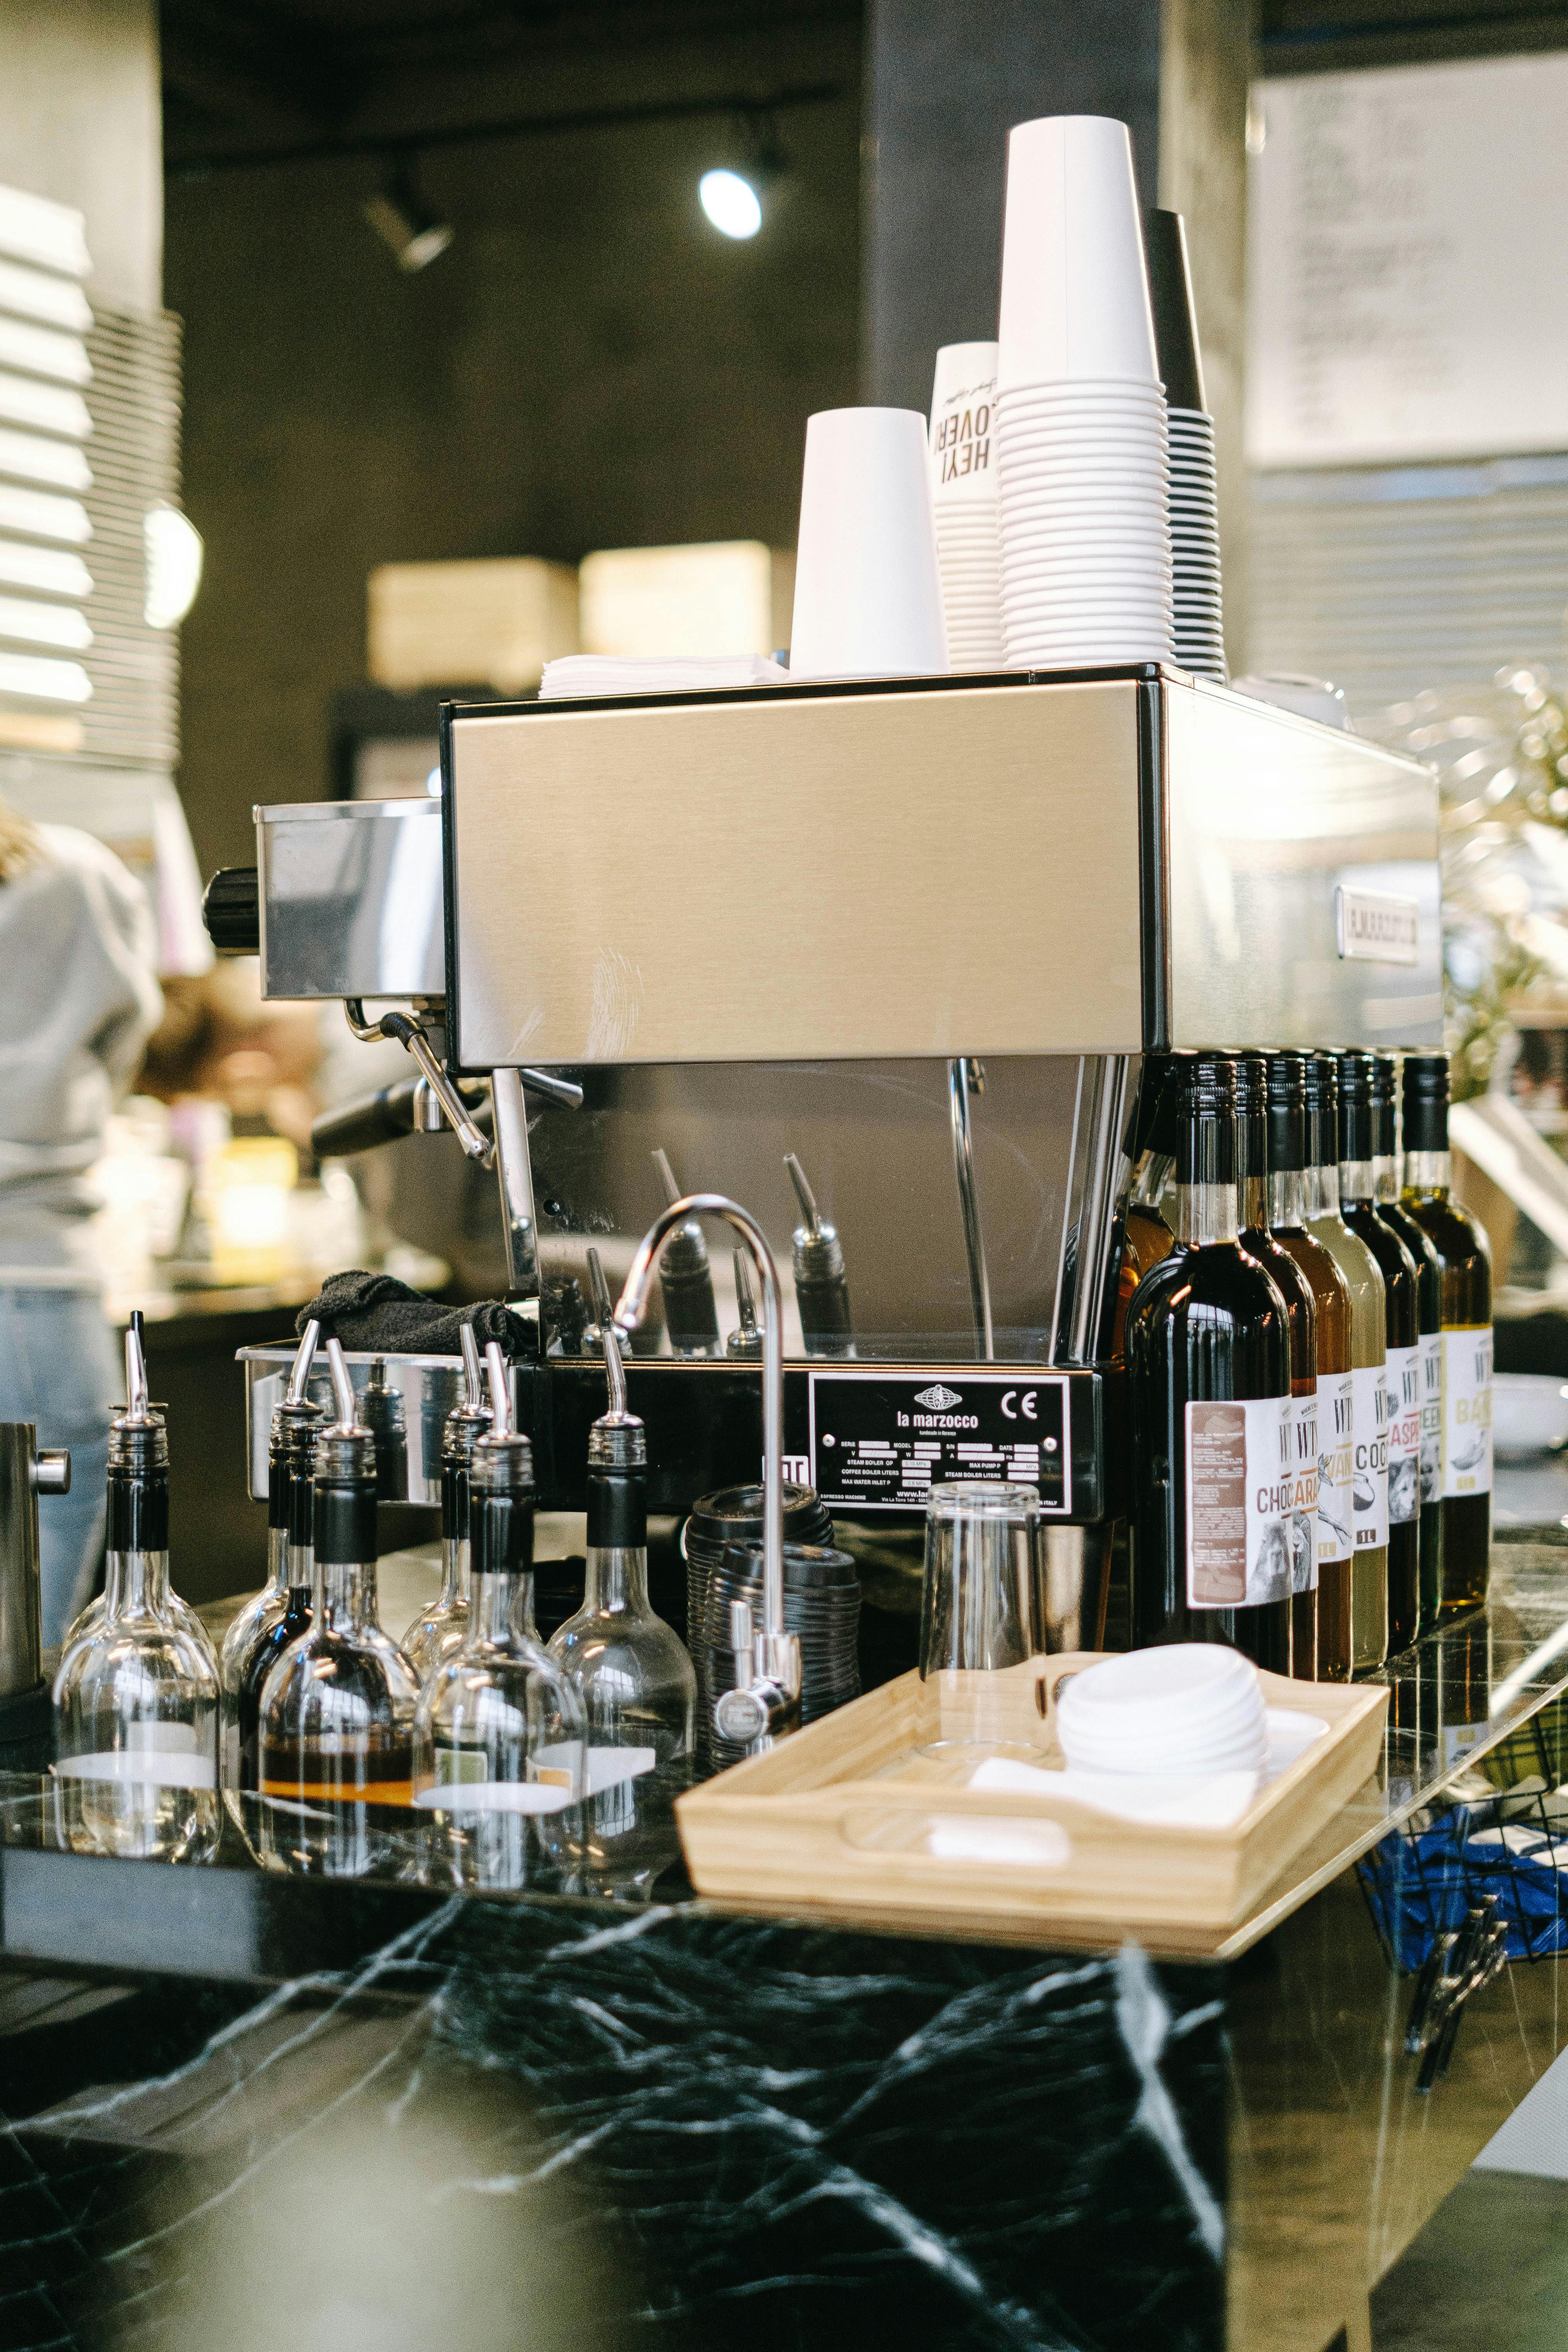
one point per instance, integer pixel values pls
(337, 1710)
(1208, 1386)
(1401, 1437)
(1467, 1334)
(1151, 1146)
(1429, 1331)
(1258, 1240)
(1369, 1345)
(1322, 1649)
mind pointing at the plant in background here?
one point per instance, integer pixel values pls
(1500, 755)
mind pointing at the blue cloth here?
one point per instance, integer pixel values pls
(57, 1370)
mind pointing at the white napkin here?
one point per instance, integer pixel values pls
(584, 674)
(1187, 1800)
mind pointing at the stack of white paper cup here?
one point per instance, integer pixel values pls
(1080, 410)
(1195, 1708)
(1199, 629)
(963, 500)
(867, 595)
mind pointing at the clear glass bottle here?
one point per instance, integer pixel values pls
(290, 1455)
(136, 1697)
(631, 1673)
(1369, 1351)
(498, 1735)
(1208, 1388)
(337, 1708)
(1402, 1367)
(1429, 1326)
(441, 1630)
(91, 1616)
(1467, 1334)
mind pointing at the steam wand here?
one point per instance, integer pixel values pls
(765, 1703)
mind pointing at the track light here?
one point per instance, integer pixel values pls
(411, 229)
(730, 202)
(172, 547)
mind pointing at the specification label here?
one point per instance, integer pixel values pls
(880, 1440)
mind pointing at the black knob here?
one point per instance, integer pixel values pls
(232, 910)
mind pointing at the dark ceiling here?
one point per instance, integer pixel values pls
(244, 80)
(247, 79)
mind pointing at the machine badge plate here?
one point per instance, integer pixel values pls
(879, 1439)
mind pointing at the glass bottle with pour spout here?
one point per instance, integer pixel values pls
(498, 1735)
(337, 1708)
(290, 1457)
(1145, 1238)
(91, 1614)
(445, 1623)
(630, 1671)
(136, 1697)
(1369, 1348)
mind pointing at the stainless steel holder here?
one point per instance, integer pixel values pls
(27, 1471)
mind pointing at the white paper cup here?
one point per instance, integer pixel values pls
(963, 417)
(868, 592)
(1075, 291)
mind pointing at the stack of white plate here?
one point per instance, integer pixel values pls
(963, 503)
(1194, 544)
(1195, 1707)
(1081, 438)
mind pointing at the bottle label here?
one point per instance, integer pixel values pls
(1239, 1483)
(1468, 1409)
(1336, 1467)
(1304, 1493)
(1405, 1378)
(1370, 1517)
(1432, 1417)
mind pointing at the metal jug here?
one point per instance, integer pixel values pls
(27, 1471)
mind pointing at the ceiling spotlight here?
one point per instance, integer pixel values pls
(411, 229)
(172, 547)
(730, 202)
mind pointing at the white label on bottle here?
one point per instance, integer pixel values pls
(1468, 1409)
(1405, 1384)
(1304, 1493)
(1336, 1462)
(1432, 1417)
(1371, 1516)
(1239, 1455)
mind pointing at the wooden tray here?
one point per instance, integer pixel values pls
(831, 1818)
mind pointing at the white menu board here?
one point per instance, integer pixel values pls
(1407, 264)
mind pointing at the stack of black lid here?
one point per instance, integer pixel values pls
(723, 1546)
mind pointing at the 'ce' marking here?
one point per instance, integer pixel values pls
(1026, 1406)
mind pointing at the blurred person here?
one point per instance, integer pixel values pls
(78, 995)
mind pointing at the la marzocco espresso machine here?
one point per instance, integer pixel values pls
(878, 961)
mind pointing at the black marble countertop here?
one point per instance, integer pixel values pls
(1458, 1699)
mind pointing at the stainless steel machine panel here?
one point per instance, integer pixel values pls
(1299, 903)
(351, 898)
(798, 875)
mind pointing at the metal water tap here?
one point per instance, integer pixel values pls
(765, 1705)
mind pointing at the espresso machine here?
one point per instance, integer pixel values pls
(879, 959)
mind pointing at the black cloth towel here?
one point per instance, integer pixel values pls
(376, 1315)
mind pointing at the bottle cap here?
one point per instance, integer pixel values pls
(1206, 1137)
(502, 1460)
(1425, 1093)
(138, 1440)
(1287, 1114)
(1354, 1073)
(467, 1421)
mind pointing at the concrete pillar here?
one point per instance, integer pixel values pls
(944, 84)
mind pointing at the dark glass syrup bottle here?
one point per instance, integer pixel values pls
(1429, 1329)
(1466, 1470)
(1399, 1464)
(1208, 1382)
